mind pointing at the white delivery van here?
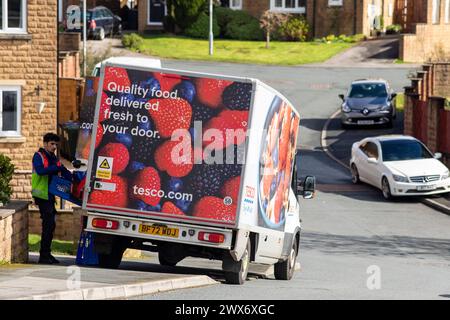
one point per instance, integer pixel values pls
(193, 164)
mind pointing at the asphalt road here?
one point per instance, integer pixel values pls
(352, 240)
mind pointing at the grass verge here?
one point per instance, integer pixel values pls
(58, 246)
(279, 53)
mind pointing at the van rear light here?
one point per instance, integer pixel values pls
(211, 237)
(105, 224)
(93, 24)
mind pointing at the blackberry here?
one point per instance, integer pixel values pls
(237, 96)
(142, 150)
(206, 180)
(201, 112)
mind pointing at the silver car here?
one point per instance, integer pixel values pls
(369, 102)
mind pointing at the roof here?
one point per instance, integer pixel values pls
(390, 137)
(369, 80)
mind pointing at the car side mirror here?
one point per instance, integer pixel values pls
(307, 188)
(342, 97)
(438, 155)
(372, 160)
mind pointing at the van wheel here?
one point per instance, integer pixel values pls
(170, 255)
(285, 270)
(242, 265)
(112, 260)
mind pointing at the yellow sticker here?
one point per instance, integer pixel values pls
(104, 168)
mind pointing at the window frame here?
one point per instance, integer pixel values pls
(18, 90)
(447, 12)
(149, 23)
(297, 9)
(239, 7)
(4, 27)
(436, 12)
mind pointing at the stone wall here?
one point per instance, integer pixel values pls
(14, 232)
(28, 61)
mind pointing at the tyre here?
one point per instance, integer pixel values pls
(386, 189)
(119, 30)
(390, 124)
(285, 270)
(355, 174)
(169, 255)
(344, 126)
(242, 265)
(101, 34)
(113, 259)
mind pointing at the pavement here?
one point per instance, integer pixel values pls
(337, 145)
(134, 278)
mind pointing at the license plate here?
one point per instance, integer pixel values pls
(366, 122)
(159, 230)
(422, 188)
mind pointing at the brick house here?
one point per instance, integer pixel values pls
(427, 26)
(28, 79)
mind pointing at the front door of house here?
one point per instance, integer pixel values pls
(157, 11)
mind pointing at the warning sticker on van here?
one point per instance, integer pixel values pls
(104, 167)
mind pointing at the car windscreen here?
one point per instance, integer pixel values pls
(368, 90)
(399, 150)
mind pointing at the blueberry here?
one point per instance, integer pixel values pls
(265, 203)
(145, 125)
(125, 139)
(150, 84)
(273, 188)
(175, 184)
(136, 166)
(282, 214)
(186, 91)
(154, 208)
(183, 205)
(275, 155)
(140, 205)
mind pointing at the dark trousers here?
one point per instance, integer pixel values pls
(48, 216)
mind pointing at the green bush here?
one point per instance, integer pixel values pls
(243, 26)
(169, 24)
(224, 16)
(200, 28)
(6, 173)
(186, 12)
(393, 28)
(132, 41)
(295, 29)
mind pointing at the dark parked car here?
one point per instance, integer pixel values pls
(369, 102)
(101, 22)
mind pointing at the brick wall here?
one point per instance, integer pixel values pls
(441, 79)
(14, 232)
(256, 8)
(29, 62)
(69, 65)
(428, 42)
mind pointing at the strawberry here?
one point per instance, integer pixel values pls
(232, 126)
(167, 81)
(117, 75)
(171, 115)
(103, 107)
(231, 188)
(169, 207)
(213, 208)
(119, 153)
(179, 164)
(146, 185)
(117, 198)
(209, 91)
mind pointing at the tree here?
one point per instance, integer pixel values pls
(270, 21)
(186, 12)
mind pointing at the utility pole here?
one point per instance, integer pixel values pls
(84, 38)
(211, 33)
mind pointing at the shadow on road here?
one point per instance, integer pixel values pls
(393, 246)
(313, 124)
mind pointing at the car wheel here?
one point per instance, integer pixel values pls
(386, 189)
(285, 270)
(119, 29)
(355, 174)
(390, 124)
(239, 277)
(101, 34)
(344, 126)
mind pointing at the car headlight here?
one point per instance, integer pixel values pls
(446, 175)
(385, 108)
(346, 108)
(399, 178)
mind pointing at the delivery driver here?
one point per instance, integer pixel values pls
(45, 166)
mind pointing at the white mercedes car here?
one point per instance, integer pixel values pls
(399, 166)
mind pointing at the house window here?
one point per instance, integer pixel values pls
(236, 4)
(10, 111)
(436, 11)
(12, 16)
(334, 3)
(293, 6)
